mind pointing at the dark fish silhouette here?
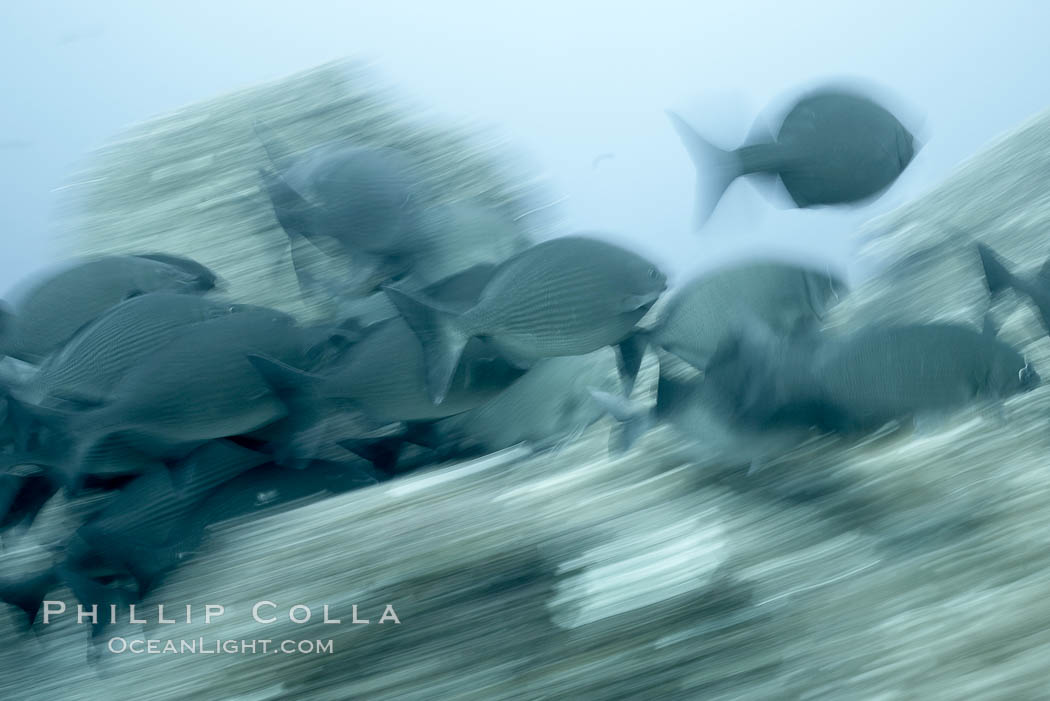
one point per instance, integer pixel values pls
(786, 297)
(86, 369)
(53, 310)
(833, 147)
(869, 378)
(384, 376)
(566, 296)
(546, 405)
(364, 198)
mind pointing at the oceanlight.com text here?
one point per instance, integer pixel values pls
(202, 646)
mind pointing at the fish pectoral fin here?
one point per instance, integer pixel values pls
(632, 303)
(282, 378)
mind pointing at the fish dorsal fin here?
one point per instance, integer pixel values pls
(996, 273)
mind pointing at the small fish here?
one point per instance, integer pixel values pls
(566, 296)
(86, 369)
(788, 298)
(199, 387)
(144, 529)
(383, 375)
(895, 372)
(54, 309)
(833, 147)
(699, 412)
(874, 376)
(544, 406)
(363, 198)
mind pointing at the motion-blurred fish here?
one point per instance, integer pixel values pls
(833, 147)
(56, 308)
(199, 387)
(86, 369)
(875, 376)
(566, 296)
(784, 296)
(364, 198)
(383, 376)
(545, 406)
(1035, 286)
(147, 527)
(700, 412)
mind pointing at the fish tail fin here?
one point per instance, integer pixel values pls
(996, 274)
(716, 169)
(635, 420)
(629, 354)
(441, 333)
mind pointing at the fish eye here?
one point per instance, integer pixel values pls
(653, 273)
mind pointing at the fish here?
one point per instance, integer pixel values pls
(148, 528)
(999, 277)
(54, 309)
(697, 412)
(547, 405)
(863, 381)
(567, 296)
(86, 369)
(197, 388)
(363, 198)
(383, 375)
(786, 297)
(834, 146)
(894, 372)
